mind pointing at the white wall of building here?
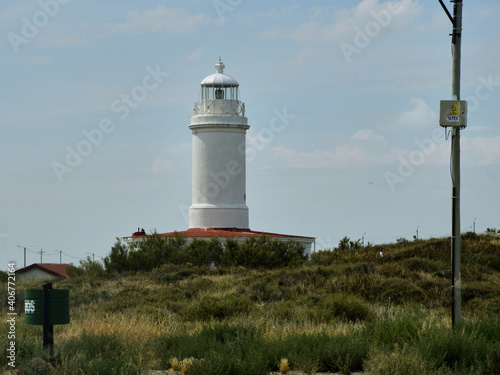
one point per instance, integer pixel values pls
(35, 274)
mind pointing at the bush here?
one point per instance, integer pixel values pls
(155, 250)
(404, 327)
(417, 264)
(217, 350)
(458, 349)
(98, 354)
(219, 308)
(262, 252)
(3, 276)
(403, 360)
(345, 307)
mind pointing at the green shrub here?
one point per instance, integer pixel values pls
(398, 291)
(404, 327)
(403, 360)
(98, 354)
(262, 252)
(217, 350)
(3, 276)
(457, 349)
(345, 307)
(154, 251)
(203, 253)
(219, 308)
(421, 265)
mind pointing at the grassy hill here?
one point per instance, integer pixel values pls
(342, 311)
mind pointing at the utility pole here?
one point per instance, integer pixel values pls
(60, 256)
(22, 247)
(455, 169)
(416, 237)
(474, 225)
(456, 40)
(41, 253)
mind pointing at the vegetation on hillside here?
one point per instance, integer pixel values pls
(345, 310)
(155, 251)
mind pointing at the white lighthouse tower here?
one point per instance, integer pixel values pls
(219, 129)
(218, 208)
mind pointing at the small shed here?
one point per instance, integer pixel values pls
(42, 271)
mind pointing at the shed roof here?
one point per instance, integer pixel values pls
(56, 269)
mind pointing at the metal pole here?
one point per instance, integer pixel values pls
(23, 247)
(48, 329)
(455, 169)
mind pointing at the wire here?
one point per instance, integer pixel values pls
(451, 168)
(71, 256)
(446, 135)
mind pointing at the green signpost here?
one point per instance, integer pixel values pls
(46, 307)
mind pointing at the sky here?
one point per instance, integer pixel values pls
(342, 98)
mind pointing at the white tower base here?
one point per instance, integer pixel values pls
(206, 216)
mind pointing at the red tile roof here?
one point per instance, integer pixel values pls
(56, 269)
(220, 232)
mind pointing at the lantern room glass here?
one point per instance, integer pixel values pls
(218, 92)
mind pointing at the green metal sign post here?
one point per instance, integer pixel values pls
(46, 307)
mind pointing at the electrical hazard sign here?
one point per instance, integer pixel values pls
(453, 113)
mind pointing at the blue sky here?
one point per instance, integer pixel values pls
(97, 97)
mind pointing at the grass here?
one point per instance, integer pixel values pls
(342, 312)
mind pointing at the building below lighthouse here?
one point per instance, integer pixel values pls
(218, 198)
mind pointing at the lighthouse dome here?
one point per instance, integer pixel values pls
(219, 85)
(219, 79)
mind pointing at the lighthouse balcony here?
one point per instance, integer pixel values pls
(219, 107)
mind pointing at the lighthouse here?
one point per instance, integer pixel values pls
(218, 208)
(219, 129)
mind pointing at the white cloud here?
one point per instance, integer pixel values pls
(162, 18)
(64, 40)
(366, 148)
(195, 55)
(389, 15)
(420, 116)
(161, 165)
(363, 148)
(483, 150)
